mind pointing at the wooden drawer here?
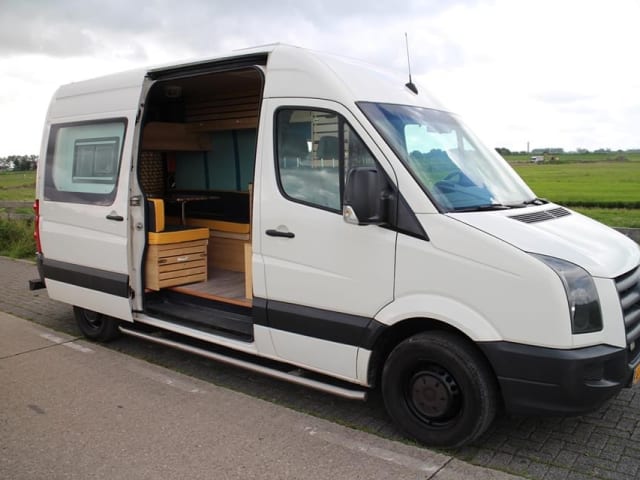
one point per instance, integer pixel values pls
(176, 264)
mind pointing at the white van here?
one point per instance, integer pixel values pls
(327, 225)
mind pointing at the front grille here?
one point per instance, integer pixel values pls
(542, 216)
(628, 286)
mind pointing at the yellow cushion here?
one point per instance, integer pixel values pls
(158, 212)
(177, 236)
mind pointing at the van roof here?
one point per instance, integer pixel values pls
(290, 72)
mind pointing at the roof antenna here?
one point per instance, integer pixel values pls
(411, 86)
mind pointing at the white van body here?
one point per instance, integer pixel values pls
(330, 243)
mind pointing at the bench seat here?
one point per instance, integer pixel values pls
(178, 234)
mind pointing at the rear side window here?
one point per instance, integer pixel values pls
(83, 161)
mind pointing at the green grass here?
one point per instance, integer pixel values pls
(16, 235)
(614, 217)
(605, 191)
(16, 239)
(578, 157)
(20, 210)
(598, 184)
(608, 191)
(17, 186)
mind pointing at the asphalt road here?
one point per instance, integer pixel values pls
(72, 409)
(603, 445)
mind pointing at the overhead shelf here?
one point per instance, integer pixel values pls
(167, 136)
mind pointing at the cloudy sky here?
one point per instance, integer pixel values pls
(555, 73)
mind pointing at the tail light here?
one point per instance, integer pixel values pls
(36, 225)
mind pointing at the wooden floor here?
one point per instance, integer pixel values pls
(222, 285)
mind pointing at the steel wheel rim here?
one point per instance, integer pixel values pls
(433, 395)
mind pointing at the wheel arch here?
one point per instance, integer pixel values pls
(407, 317)
(392, 336)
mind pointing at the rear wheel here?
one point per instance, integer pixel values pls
(439, 389)
(96, 326)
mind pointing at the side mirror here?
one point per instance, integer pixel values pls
(364, 197)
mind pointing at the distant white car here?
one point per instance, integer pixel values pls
(537, 159)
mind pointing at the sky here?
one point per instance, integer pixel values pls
(543, 73)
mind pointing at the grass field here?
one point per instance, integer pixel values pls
(579, 157)
(16, 238)
(17, 186)
(598, 184)
(601, 186)
(614, 217)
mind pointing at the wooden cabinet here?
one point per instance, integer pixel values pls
(173, 137)
(176, 264)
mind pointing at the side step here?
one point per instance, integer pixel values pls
(36, 284)
(351, 394)
(203, 316)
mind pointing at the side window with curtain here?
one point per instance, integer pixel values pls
(315, 150)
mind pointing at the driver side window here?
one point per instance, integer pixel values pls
(315, 150)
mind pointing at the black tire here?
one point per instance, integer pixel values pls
(439, 389)
(96, 326)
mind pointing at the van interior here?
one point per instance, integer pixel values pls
(195, 168)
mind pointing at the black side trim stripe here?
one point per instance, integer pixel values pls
(259, 312)
(316, 323)
(91, 278)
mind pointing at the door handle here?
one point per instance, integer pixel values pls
(114, 216)
(277, 233)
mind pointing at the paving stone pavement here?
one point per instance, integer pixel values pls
(602, 445)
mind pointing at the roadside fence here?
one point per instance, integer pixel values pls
(12, 210)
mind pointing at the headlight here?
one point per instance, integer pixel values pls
(584, 303)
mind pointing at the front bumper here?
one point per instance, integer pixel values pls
(538, 380)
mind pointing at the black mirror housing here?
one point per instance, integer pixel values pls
(364, 197)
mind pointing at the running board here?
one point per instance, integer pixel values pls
(351, 394)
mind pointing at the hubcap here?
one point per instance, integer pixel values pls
(434, 394)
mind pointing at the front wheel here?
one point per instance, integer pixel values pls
(96, 326)
(439, 389)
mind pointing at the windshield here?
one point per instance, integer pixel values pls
(451, 165)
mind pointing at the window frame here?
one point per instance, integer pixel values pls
(51, 193)
(78, 144)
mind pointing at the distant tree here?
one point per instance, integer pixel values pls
(582, 150)
(19, 162)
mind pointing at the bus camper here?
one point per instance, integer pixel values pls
(319, 220)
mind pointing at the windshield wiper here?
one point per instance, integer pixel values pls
(483, 208)
(534, 201)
